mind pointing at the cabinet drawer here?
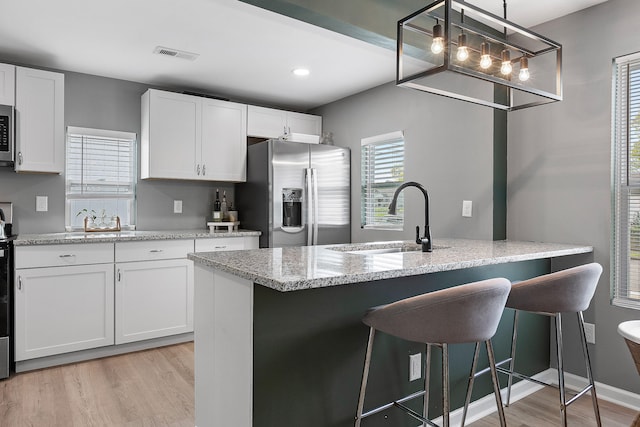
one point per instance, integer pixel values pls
(150, 250)
(63, 255)
(219, 244)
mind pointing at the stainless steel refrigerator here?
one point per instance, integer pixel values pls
(297, 194)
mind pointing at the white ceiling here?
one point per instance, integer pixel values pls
(246, 53)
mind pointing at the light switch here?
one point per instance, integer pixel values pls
(177, 206)
(467, 207)
(42, 203)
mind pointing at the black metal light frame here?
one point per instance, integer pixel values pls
(475, 22)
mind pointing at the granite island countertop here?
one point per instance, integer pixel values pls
(124, 236)
(307, 267)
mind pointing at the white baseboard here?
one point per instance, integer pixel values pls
(487, 405)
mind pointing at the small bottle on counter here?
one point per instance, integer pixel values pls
(223, 206)
(217, 208)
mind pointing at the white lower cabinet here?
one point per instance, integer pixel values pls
(63, 309)
(153, 299)
(154, 292)
(74, 297)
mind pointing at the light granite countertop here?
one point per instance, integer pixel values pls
(124, 236)
(306, 267)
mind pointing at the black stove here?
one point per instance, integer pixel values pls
(6, 286)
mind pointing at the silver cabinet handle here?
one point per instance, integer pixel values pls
(67, 256)
(19, 283)
(119, 275)
(219, 247)
(155, 251)
(198, 169)
(203, 169)
(20, 157)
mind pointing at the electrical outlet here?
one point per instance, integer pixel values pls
(467, 208)
(415, 366)
(177, 206)
(42, 203)
(590, 332)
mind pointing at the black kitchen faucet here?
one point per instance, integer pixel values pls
(425, 240)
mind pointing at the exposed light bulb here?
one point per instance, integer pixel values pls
(524, 69)
(485, 57)
(463, 51)
(437, 46)
(506, 67)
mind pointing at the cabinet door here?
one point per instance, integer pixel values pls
(153, 299)
(7, 84)
(170, 137)
(224, 141)
(304, 123)
(266, 122)
(39, 116)
(63, 309)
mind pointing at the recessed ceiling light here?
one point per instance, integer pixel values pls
(300, 72)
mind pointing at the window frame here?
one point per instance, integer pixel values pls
(129, 197)
(367, 216)
(625, 188)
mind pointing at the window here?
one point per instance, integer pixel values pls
(626, 182)
(100, 176)
(382, 172)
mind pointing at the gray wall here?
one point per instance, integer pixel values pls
(448, 149)
(559, 166)
(98, 102)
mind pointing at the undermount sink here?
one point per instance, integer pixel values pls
(381, 248)
(382, 251)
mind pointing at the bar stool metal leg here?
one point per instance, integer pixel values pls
(585, 351)
(512, 362)
(365, 377)
(427, 378)
(445, 385)
(496, 383)
(563, 399)
(472, 377)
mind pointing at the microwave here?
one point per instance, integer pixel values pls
(7, 146)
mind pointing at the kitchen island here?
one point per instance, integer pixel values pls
(278, 336)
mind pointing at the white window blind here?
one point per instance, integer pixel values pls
(625, 272)
(100, 175)
(382, 167)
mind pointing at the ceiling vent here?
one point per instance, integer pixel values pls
(166, 51)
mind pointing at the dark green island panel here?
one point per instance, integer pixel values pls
(309, 349)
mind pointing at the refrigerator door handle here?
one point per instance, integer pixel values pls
(309, 198)
(316, 205)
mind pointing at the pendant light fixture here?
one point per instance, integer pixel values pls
(485, 57)
(463, 40)
(437, 45)
(462, 53)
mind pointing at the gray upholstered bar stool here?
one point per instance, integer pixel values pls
(566, 291)
(462, 314)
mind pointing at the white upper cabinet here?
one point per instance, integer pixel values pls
(224, 140)
(190, 137)
(39, 117)
(7, 84)
(171, 135)
(271, 123)
(304, 123)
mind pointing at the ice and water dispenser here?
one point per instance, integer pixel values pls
(292, 209)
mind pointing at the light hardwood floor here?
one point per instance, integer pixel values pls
(543, 409)
(154, 388)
